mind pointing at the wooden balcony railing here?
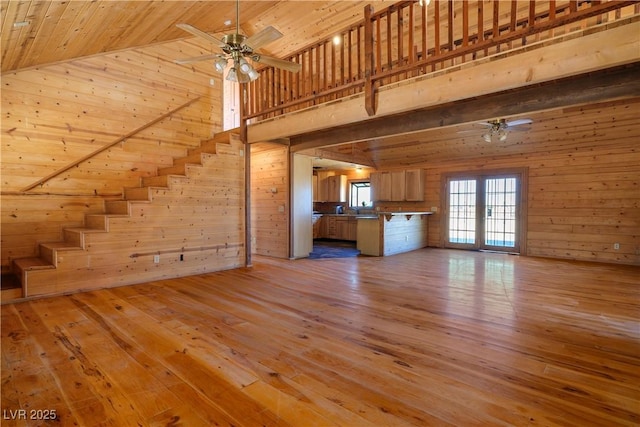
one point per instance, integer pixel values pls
(407, 40)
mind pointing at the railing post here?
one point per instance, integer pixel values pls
(369, 83)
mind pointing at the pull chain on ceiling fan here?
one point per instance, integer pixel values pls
(237, 47)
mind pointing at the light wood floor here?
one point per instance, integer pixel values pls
(432, 337)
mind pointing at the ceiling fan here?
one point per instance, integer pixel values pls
(500, 127)
(237, 47)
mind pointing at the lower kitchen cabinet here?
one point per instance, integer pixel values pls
(338, 227)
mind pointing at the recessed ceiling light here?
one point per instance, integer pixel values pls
(337, 40)
(20, 24)
(227, 22)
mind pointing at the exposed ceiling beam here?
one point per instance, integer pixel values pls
(618, 83)
(356, 156)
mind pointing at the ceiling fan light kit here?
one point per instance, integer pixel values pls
(237, 47)
(499, 128)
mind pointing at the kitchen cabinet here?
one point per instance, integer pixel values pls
(332, 227)
(329, 187)
(414, 185)
(337, 188)
(353, 229)
(314, 182)
(342, 228)
(398, 186)
(381, 186)
(339, 227)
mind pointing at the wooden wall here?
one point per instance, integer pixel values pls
(583, 184)
(270, 199)
(55, 114)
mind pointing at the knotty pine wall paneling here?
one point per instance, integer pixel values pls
(194, 226)
(52, 115)
(270, 199)
(583, 189)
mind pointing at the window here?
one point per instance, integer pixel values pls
(360, 194)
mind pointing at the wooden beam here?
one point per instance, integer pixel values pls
(359, 157)
(617, 83)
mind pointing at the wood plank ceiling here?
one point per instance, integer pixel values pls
(35, 33)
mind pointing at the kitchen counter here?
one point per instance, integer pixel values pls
(389, 233)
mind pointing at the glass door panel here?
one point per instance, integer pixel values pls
(500, 206)
(462, 211)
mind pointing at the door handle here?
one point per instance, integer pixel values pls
(489, 212)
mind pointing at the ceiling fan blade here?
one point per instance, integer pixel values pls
(519, 122)
(197, 59)
(263, 37)
(196, 32)
(278, 63)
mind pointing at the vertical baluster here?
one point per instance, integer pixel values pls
(513, 19)
(400, 36)
(552, 15)
(425, 46)
(496, 22)
(450, 22)
(436, 31)
(412, 48)
(378, 47)
(388, 41)
(465, 27)
(333, 66)
(359, 72)
(311, 73)
(318, 76)
(325, 58)
(350, 60)
(342, 60)
(369, 97)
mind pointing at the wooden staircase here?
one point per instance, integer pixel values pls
(74, 244)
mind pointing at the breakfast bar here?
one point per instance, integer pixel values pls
(390, 233)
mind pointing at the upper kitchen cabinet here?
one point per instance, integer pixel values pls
(337, 188)
(330, 187)
(414, 185)
(398, 186)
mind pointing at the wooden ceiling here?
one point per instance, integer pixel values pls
(35, 33)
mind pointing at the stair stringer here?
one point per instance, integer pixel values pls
(89, 257)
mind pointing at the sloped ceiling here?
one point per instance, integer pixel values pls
(35, 33)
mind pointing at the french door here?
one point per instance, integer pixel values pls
(484, 212)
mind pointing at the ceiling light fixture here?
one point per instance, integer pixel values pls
(500, 128)
(424, 2)
(236, 48)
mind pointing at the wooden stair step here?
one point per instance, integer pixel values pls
(228, 150)
(96, 221)
(137, 193)
(173, 170)
(10, 295)
(48, 251)
(32, 263)
(117, 207)
(192, 158)
(75, 236)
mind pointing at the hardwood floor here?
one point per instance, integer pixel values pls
(430, 337)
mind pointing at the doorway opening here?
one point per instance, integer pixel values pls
(485, 211)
